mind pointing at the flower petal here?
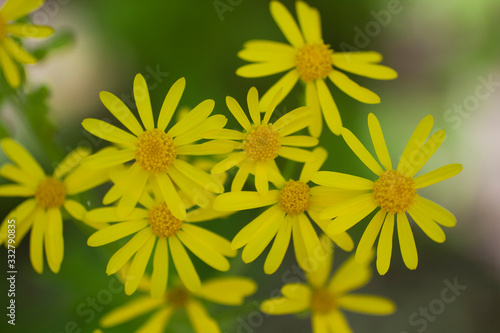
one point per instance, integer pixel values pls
(20, 156)
(407, 242)
(130, 310)
(238, 113)
(235, 201)
(285, 85)
(227, 290)
(379, 142)
(360, 151)
(159, 278)
(138, 266)
(29, 30)
(141, 96)
(310, 22)
(416, 141)
(364, 250)
(194, 117)
(363, 56)
(369, 70)
(368, 304)
(384, 248)
(341, 180)
(170, 103)
(121, 112)
(9, 69)
(116, 231)
(439, 214)
(184, 265)
(329, 108)
(438, 175)
(279, 248)
(351, 88)
(203, 251)
(120, 258)
(286, 23)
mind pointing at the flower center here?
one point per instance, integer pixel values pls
(394, 192)
(262, 143)
(178, 297)
(155, 150)
(322, 301)
(163, 222)
(314, 61)
(50, 193)
(295, 197)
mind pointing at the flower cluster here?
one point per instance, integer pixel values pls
(159, 193)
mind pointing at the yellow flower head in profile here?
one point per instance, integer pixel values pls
(9, 48)
(394, 193)
(293, 206)
(156, 152)
(225, 291)
(46, 196)
(261, 142)
(310, 60)
(326, 299)
(156, 224)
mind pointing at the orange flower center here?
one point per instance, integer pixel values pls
(50, 193)
(295, 197)
(314, 61)
(178, 297)
(163, 222)
(322, 301)
(155, 151)
(394, 192)
(262, 143)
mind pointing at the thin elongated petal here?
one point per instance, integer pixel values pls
(227, 290)
(431, 228)
(279, 248)
(121, 112)
(132, 191)
(138, 266)
(235, 201)
(314, 249)
(416, 141)
(286, 23)
(349, 276)
(110, 214)
(224, 134)
(320, 272)
(349, 207)
(285, 85)
(12, 10)
(363, 252)
(9, 69)
(29, 30)
(54, 244)
(310, 22)
(18, 52)
(249, 232)
(438, 175)
(36, 240)
(238, 113)
(218, 243)
(312, 101)
(242, 175)
(198, 176)
(312, 166)
(200, 319)
(407, 242)
(261, 179)
(171, 197)
(264, 51)
(263, 237)
(369, 304)
(295, 154)
(203, 251)
(351, 88)
(195, 117)
(343, 240)
(265, 68)
(384, 248)
(329, 108)
(20, 156)
(373, 71)
(379, 142)
(159, 278)
(121, 256)
(319, 323)
(296, 291)
(365, 56)
(83, 179)
(283, 305)
(293, 121)
(253, 105)
(12, 172)
(16, 191)
(23, 214)
(338, 323)
(299, 141)
(158, 322)
(227, 163)
(426, 152)
(439, 214)
(184, 265)
(363, 154)
(170, 103)
(196, 193)
(341, 180)
(71, 162)
(141, 96)
(109, 158)
(117, 231)
(129, 311)
(213, 147)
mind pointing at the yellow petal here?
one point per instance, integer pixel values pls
(18, 52)
(363, 253)
(431, 228)
(285, 85)
(296, 292)
(253, 105)
(195, 117)
(138, 266)
(200, 319)
(121, 112)
(9, 69)
(12, 172)
(108, 132)
(368, 304)
(265, 68)
(341, 180)
(295, 154)
(83, 179)
(299, 141)
(370, 70)
(264, 51)
(170, 103)
(227, 290)
(338, 323)
(360, 151)
(249, 232)
(242, 174)
(349, 276)
(293, 121)
(54, 243)
(322, 265)
(416, 141)
(184, 265)
(261, 180)
(203, 251)
(279, 248)
(158, 322)
(238, 113)
(282, 305)
(36, 240)
(171, 197)
(364, 56)
(407, 242)
(16, 191)
(439, 214)
(384, 248)
(133, 190)
(130, 310)
(159, 278)
(20, 156)
(328, 107)
(360, 204)
(198, 176)
(310, 22)
(438, 175)
(426, 152)
(213, 147)
(12, 10)
(216, 242)
(351, 88)
(116, 231)
(109, 158)
(227, 163)
(110, 214)
(235, 201)
(29, 30)
(71, 161)
(141, 96)
(286, 23)
(120, 258)
(379, 142)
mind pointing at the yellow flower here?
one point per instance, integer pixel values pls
(261, 142)
(326, 300)
(286, 217)
(47, 195)
(156, 224)
(393, 194)
(154, 151)
(226, 291)
(9, 48)
(309, 59)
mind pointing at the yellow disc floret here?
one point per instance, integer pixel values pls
(155, 151)
(322, 301)
(162, 221)
(178, 297)
(314, 61)
(262, 143)
(394, 192)
(295, 197)
(50, 193)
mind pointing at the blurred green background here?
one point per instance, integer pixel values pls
(445, 52)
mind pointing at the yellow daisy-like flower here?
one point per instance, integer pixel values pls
(9, 48)
(155, 152)
(47, 195)
(326, 300)
(226, 291)
(393, 194)
(309, 59)
(261, 142)
(156, 224)
(293, 207)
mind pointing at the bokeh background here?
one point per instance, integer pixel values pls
(447, 55)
